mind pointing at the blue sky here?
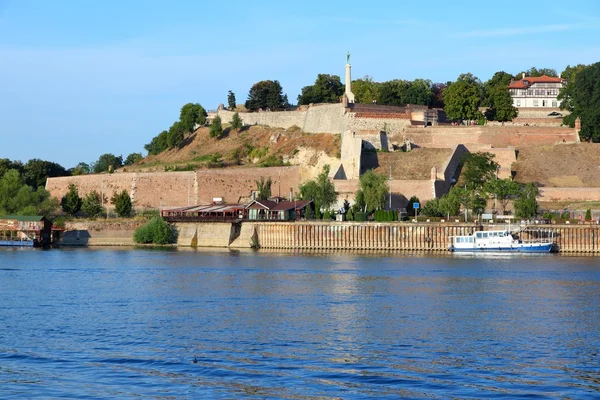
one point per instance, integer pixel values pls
(82, 78)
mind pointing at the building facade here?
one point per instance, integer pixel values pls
(541, 91)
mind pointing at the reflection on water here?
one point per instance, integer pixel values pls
(108, 323)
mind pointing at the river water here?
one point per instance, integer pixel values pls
(147, 323)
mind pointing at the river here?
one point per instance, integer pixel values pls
(151, 323)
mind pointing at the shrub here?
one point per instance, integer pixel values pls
(360, 217)
(92, 204)
(123, 204)
(71, 202)
(155, 231)
(588, 215)
(216, 129)
(236, 122)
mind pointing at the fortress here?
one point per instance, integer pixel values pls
(368, 131)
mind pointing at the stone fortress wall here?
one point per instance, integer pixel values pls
(178, 189)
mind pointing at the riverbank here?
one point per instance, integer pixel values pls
(321, 235)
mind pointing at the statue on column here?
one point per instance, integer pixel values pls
(348, 58)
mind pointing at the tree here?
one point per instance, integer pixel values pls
(501, 105)
(373, 191)
(123, 204)
(469, 200)
(263, 188)
(326, 89)
(586, 102)
(410, 210)
(176, 135)
(463, 98)
(107, 161)
(365, 90)
(37, 171)
(503, 190)
(320, 190)
(216, 128)
(566, 93)
(18, 198)
(478, 169)
(393, 92)
(588, 215)
(500, 79)
(437, 90)
(450, 203)
(92, 204)
(81, 169)
(236, 122)
(419, 92)
(231, 100)
(156, 231)
(265, 94)
(535, 72)
(158, 144)
(71, 202)
(526, 205)
(190, 115)
(133, 158)
(6, 165)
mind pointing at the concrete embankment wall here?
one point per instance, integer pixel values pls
(99, 233)
(403, 236)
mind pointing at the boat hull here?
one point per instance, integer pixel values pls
(522, 248)
(17, 243)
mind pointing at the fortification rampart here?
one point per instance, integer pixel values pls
(170, 189)
(569, 194)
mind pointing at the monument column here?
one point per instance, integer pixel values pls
(348, 91)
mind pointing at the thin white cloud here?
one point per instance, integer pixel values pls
(520, 31)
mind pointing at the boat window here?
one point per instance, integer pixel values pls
(478, 235)
(471, 239)
(485, 235)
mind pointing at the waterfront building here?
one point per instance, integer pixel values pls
(541, 91)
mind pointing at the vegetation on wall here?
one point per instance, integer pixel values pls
(19, 198)
(320, 190)
(372, 192)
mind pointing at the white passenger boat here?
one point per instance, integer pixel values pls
(498, 241)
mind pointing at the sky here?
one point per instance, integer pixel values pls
(83, 78)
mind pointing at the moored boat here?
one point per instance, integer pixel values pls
(498, 241)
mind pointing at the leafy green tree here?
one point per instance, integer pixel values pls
(71, 202)
(393, 92)
(133, 158)
(216, 128)
(526, 205)
(450, 203)
(365, 90)
(586, 102)
(588, 215)
(156, 231)
(373, 191)
(190, 115)
(432, 208)
(500, 79)
(470, 199)
(410, 210)
(419, 92)
(320, 190)
(263, 188)
(37, 171)
(566, 93)
(231, 100)
(536, 72)
(18, 198)
(123, 204)
(326, 89)
(503, 190)
(158, 144)
(463, 97)
(106, 162)
(176, 135)
(92, 204)
(236, 122)
(501, 105)
(81, 169)
(265, 94)
(6, 165)
(478, 169)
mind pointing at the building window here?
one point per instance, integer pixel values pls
(554, 104)
(536, 103)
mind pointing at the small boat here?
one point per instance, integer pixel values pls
(498, 241)
(19, 243)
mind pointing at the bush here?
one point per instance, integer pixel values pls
(386, 216)
(588, 215)
(123, 204)
(71, 202)
(92, 204)
(236, 122)
(155, 231)
(360, 217)
(216, 129)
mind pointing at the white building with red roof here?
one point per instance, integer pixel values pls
(539, 91)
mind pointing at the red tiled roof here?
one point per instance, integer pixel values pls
(520, 84)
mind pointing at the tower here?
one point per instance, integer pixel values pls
(348, 91)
